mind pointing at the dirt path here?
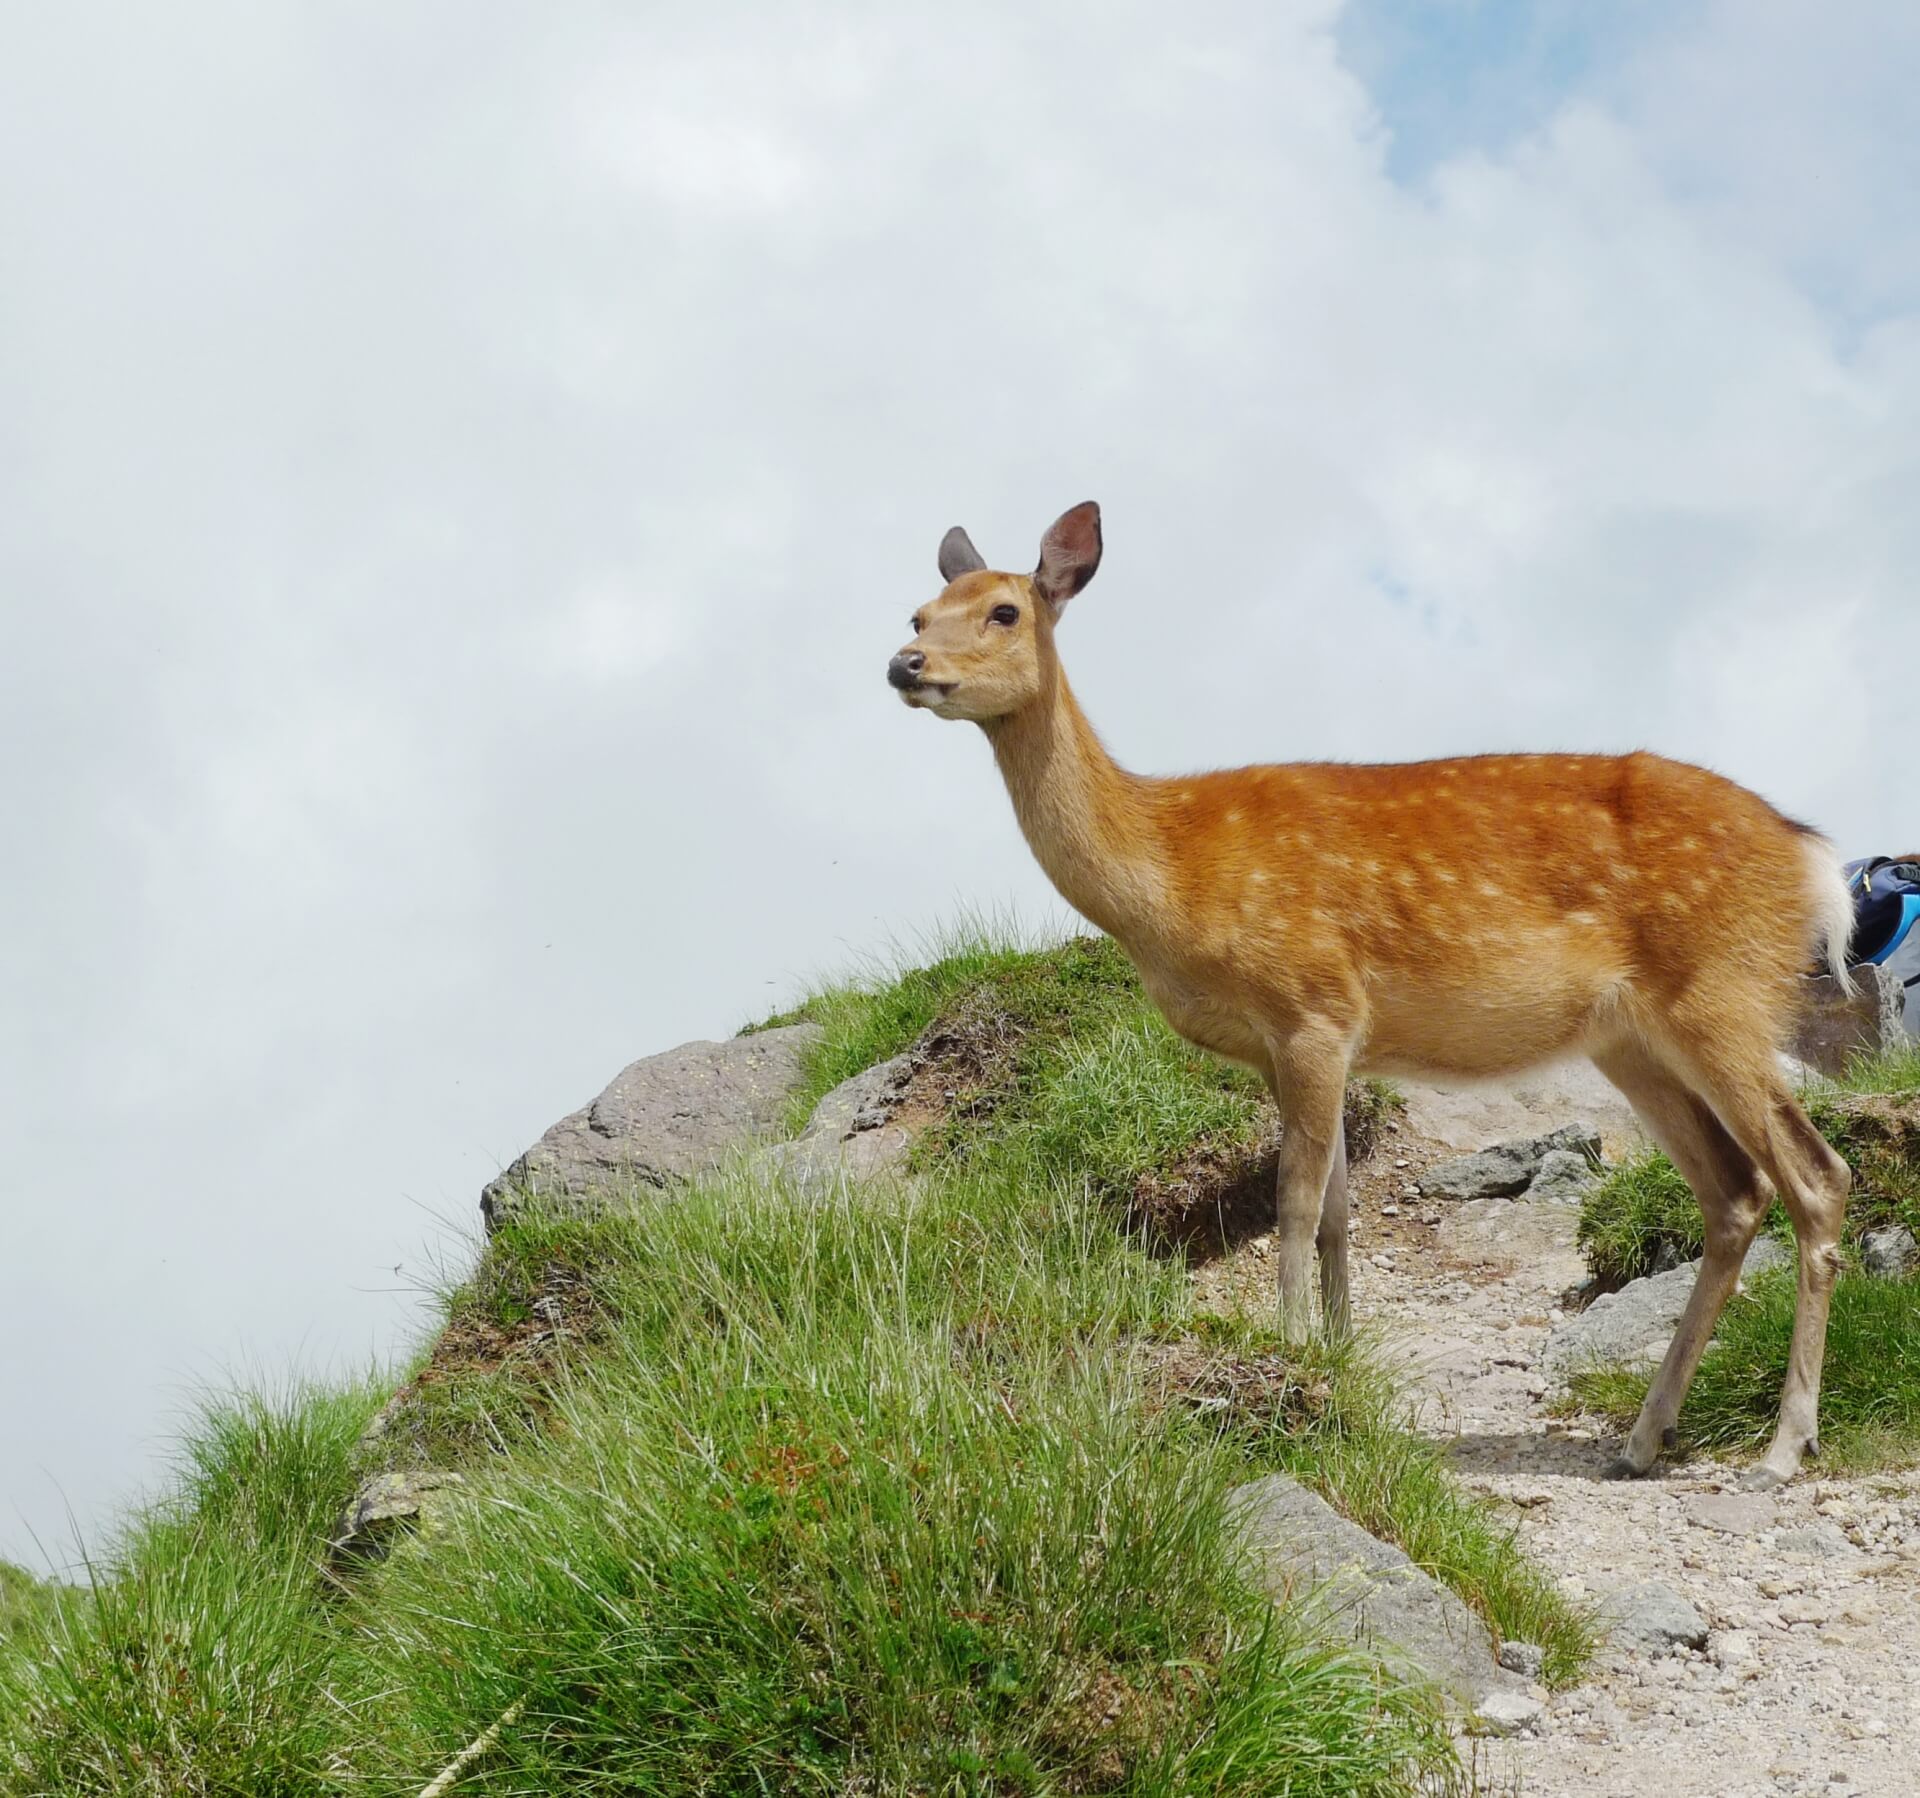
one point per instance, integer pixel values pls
(1810, 1681)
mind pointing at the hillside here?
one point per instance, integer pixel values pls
(928, 1439)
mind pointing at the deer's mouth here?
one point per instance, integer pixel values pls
(928, 693)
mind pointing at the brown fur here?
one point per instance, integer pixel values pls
(1458, 918)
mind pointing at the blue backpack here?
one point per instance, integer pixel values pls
(1886, 909)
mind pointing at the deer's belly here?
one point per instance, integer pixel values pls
(1208, 1021)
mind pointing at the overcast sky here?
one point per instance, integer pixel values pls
(464, 467)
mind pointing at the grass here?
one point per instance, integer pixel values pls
(865, 1497)
(1869, 1395)
(1640, 1217)
(1054, 1064)
(199, 1666)
(28, 1603)
(881, 1491)
(1893, 1072)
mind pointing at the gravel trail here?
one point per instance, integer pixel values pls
(1810, 1677)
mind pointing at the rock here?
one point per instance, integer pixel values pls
(386, 1507)
(1642, 1315)
(1891, 1254)
(1511, 1713)
(1564, 1177)
(1508, 1168)
(1833, 1027)
(1735, 1513)
(664, 1119)
(1734, 1648)
(1528, 1659)
(851, 1133)
(1654, 1619)
(1496, 1173)
(1824, 1540)
(1299, 1544)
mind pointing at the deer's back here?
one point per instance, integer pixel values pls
(1474, 914)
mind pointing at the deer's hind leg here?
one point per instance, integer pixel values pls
(1736, 1072)
(1733, 1198)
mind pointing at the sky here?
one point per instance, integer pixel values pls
(464, 468)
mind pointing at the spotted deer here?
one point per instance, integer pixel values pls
(1446, 919)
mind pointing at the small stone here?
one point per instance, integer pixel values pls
(1389, 1210)
(1511, 1713)
(387, 1506)
(1734, 1513)
(1734, 1648)
(1527, 1659)
(1655, 1619)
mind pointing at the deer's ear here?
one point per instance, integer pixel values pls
(1069, 553)
(958, 556)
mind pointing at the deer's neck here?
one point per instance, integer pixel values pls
(1086, 819)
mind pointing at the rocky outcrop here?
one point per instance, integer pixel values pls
(1300, 1546)
(664, 1119)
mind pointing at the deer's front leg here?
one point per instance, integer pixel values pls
(1309, 1083)
(1330, 1241)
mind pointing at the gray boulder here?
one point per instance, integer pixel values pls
(1508, 1168)
(386, 1507)
(852, 1133)
(1562, 1178)
(664, 1119)
(1891, 1253)
(1637, 1322)
(1301, 1546)
(1654, 1619)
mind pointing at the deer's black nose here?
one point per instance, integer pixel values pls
(904, 670)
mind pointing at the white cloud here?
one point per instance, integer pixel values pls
(457, 509)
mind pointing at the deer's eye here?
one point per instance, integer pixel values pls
(1005, 614)
(915, 622)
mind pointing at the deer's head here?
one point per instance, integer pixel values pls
(983, 648)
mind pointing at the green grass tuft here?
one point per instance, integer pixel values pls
(864, 1494)
(1894, 1072)
(1869, 1395)
(199, 1665)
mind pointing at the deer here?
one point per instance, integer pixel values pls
(1451, 920)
